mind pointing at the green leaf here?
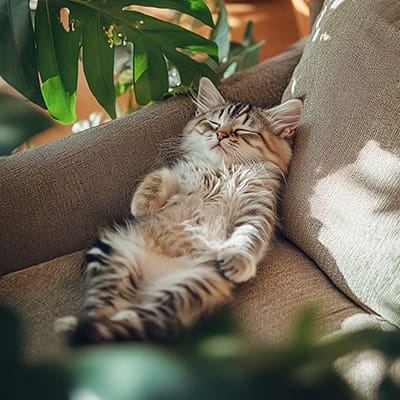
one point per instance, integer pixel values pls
(250, 56)
(61, 104)
(167, 34)
(195, 8)
(304, 333)
(124, 82)
(21, 380)
(151, 37)
(188, 68)
(220, 34)
(240, 58)
(248, 34)
(58, 53)
(150, 72)
(17, 48)
(162, 32)
(98, 59)
(10, 333)
(18, 122)
(388, 389)
(158, 374)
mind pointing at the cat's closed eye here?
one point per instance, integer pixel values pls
(242, 131)
(245, 133)
(213, 124)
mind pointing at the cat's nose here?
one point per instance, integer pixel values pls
(222, 135)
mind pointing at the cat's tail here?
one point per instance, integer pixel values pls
(168, 308)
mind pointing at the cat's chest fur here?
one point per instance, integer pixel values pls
(211, 196)
(219, 183)
(206, 183)
(209, 204)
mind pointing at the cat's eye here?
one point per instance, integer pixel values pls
(245, 132)
(213, 124)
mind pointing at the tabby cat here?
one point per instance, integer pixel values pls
(198, 228)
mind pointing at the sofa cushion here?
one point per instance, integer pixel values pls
(287, 283)
(39, 295)
(264, 308)
(342, 201)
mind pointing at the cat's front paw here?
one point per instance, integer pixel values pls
(142, 206)
(153, 193)
(235, 266)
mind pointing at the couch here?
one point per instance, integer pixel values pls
(338, 247)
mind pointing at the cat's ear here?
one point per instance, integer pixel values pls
(208, 96)
(285, 118)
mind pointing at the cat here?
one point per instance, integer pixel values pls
(198, 228)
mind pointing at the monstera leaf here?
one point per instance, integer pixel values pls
(40, 49)
(17, 49)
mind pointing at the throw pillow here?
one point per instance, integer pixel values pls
(342, 201)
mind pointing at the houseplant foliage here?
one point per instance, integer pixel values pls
(121, 49)
(232, 57)
(212, 362)
(18, 122)
(41, 46)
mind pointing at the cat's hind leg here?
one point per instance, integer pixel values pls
(112, 272)
(111, 275)
(165, 308)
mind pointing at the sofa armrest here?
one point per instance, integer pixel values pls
(54, 197)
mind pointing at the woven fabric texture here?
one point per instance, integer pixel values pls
(265, 308)
(41, 294)
(342, 203)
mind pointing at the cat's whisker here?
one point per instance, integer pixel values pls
(283, 176)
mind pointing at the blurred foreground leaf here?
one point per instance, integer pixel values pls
(18, 122)
(21, 381)
(10, 339)
(125, 372)
(216, 363)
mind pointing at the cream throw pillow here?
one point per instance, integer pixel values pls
(342, 201)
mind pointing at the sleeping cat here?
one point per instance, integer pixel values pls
(198, 228)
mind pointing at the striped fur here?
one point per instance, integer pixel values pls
(198, 228)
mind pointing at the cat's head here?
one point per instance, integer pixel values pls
(239, 132)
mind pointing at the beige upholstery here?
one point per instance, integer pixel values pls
(342, 203)
(41, 294)
(287, 282)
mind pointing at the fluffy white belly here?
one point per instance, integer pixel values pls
(155, 265)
